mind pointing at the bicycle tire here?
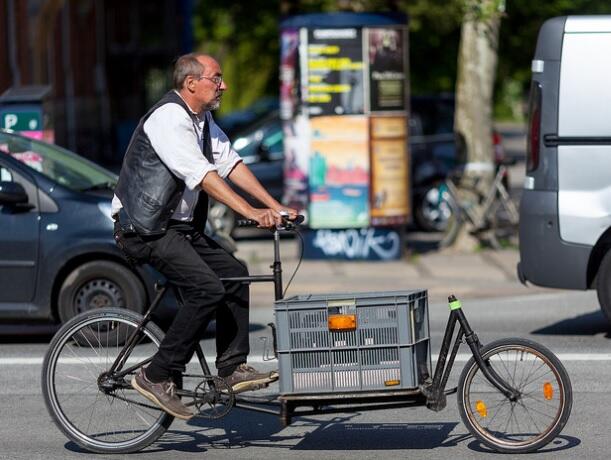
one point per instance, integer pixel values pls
(124, 421)
(555, 386)
(454, 221)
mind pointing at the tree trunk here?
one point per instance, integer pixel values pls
(477, 60)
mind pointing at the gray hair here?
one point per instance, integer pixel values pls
(187, 65)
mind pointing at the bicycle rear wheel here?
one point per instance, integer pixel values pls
(541, 410)
(97, 416)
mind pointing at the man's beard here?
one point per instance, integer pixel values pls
(214, 105)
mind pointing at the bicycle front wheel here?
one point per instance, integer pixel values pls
(99, 414)
(539, 413)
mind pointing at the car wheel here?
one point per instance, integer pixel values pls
(433, 209)
(603, 285)
(100, 284)
(221, 218)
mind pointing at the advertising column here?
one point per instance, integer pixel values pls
(343, 91)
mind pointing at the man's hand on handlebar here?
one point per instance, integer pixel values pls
(274, 218)
(287, 213)
(267, 218)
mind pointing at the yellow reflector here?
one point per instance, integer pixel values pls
(548, 391)
(481, 408)
(342, 322)
(391, 383)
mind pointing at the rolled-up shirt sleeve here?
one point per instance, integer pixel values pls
(225, 158)
(174, 138)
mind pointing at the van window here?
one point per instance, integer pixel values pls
(585, 88)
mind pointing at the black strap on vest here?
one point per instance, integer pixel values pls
(200, 213)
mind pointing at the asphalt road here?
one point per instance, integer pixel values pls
(567, 322)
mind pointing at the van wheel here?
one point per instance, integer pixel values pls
(603, 285)
(222, 218)
(100, 284)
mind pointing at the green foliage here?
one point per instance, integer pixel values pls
(482, 11)
(434, 34)
(244, 37)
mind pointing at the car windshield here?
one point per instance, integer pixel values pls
(58, 164)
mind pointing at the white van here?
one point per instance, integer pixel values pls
(565, 211)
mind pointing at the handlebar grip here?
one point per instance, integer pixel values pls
(247, 223)
(288, 223)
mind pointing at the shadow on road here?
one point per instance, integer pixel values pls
(243, 429)
(379, 436)
(562, 442)
(587, 324)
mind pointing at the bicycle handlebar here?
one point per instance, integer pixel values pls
(287, 224)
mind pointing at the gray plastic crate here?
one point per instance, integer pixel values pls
(390, 342)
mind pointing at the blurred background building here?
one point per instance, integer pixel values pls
(106, 62)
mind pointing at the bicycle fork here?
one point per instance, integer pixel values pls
(435, 391)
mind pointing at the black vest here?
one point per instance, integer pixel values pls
(148, 190)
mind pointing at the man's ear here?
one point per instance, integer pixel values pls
(190, 85)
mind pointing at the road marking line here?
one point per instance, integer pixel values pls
(461, 358)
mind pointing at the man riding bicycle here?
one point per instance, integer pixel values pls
(178, 158)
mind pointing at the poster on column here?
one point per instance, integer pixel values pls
(296, 132)
(335, 72)
(389, 171)
(339, 172)
(387, 77)
(289, 73)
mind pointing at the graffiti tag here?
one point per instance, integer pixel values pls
(365, 243)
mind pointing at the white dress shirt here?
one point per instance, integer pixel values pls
(178, 143)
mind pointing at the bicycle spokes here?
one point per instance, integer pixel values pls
(531, 418)
(95, 407)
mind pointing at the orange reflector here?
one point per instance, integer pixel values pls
(548, 391)
(342, 322)
(481, 408)
(391, 383)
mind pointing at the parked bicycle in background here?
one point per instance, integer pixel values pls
(491, 214)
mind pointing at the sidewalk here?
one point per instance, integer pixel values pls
(481, 274)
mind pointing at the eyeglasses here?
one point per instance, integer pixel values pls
(217, 80)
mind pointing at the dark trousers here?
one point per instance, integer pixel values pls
(193, 263)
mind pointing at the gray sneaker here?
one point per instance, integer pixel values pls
(246, 378)
(163, 394)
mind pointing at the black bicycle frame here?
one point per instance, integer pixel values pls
(435, 391)
(275, 277)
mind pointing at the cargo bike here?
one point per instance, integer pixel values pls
(346, 352)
